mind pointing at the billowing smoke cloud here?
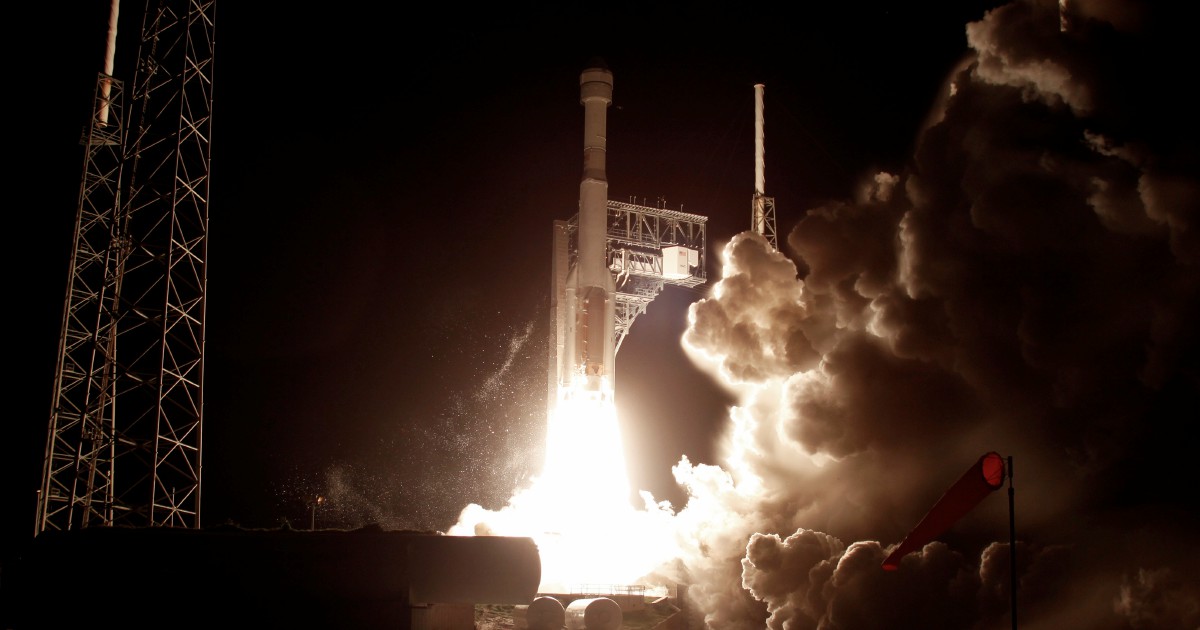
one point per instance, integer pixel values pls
(1029, 284)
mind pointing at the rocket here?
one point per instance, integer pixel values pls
(588, 355)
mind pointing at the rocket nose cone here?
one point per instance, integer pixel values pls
(598, 63)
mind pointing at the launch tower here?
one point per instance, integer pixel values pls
(609, 262)
(124, 437)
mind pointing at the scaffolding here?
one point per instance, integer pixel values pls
(647, 249)
(124, 438)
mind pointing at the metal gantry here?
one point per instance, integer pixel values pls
(76, 473)
(124, 438)
(647, 249)
(762, 218)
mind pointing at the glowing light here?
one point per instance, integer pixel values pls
(578, 510)
(584, 456)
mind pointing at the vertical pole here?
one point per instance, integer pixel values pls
(760, 178)
(312, 521)
(758, 213)
(1012, 544)
(110, 52)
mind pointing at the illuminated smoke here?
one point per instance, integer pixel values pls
(1028, 285)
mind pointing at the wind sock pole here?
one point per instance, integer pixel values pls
(1012, 544)
(983, 477)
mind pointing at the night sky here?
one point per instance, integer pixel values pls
(1013, 267)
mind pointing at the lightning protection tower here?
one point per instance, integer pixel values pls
(124, 440)
(762, 207)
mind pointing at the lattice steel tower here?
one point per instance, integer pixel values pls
(762, 207)
(124, 440)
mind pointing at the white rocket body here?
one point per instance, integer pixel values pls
(590, 297)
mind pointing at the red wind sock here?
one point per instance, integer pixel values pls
(983, 477)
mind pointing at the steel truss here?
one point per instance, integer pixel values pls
(124, 441)
(762, 218)
(636, 237)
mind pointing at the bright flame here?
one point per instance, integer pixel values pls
(584, 459)
(578, 511)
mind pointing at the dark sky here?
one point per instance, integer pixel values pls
(383, 187)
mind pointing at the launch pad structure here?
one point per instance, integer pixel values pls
(647, 248)
(609, 262)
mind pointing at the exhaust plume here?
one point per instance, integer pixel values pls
(1028, 284)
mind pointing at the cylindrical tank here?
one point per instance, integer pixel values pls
(472, 569)
(543, 613)
(599, 613)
